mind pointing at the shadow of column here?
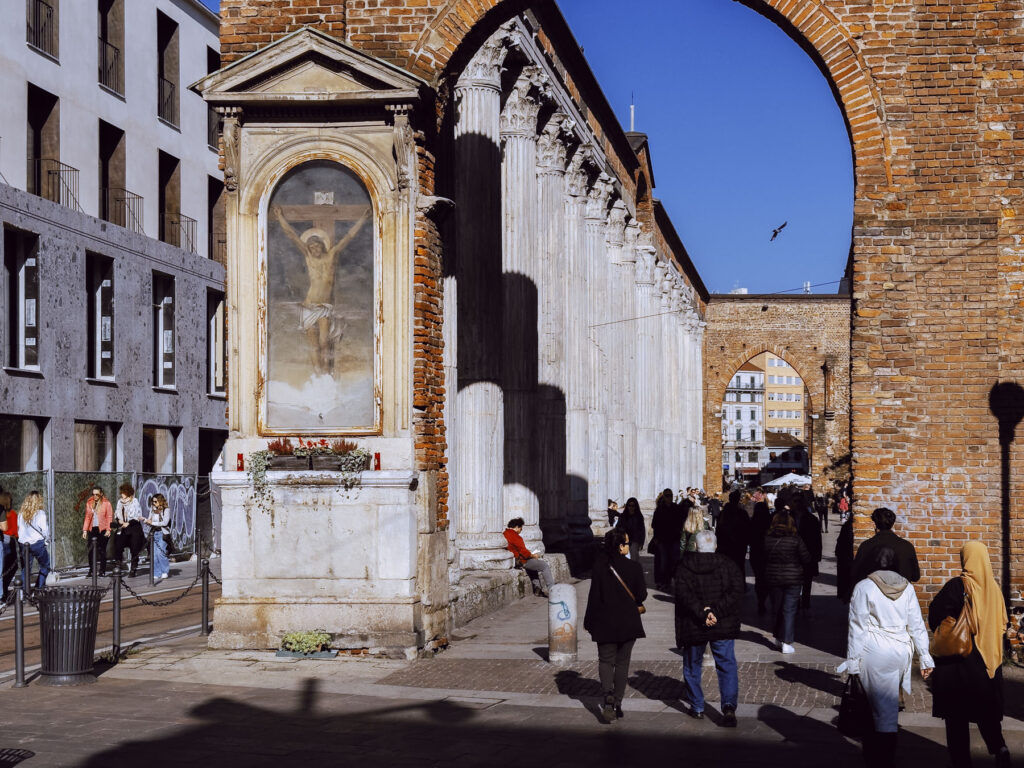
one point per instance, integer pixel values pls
(1006, 401)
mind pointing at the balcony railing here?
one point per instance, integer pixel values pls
(167, 100)
(218, 247)
(121, 207)
(110, 67)
(41, 27)
(213, 129)
(179, 230)
(53, 180)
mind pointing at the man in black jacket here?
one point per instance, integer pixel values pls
(709, 591)
(906, 555)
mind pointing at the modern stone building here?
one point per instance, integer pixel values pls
(114, 324)
(522, 325)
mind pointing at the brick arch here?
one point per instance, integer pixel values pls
(461, 24)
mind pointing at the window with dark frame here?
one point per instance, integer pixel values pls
(100, 284)
(110, 26)
(21, 274)
(215, 347)
(167, 68)
(163, 331)
(42, 28)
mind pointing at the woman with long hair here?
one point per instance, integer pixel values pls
(759, 525)
(666, 528)
(33, 530)
(970, 689)
(157, 521)
(631, 520)
(785, 557)
(96, 528)
(617, 594)
(128, 518)
(695, 523)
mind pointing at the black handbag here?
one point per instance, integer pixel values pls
(855, 718)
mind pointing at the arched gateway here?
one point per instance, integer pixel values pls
(936, 255)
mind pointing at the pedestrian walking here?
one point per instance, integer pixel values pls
(970, 689)
(34, 530)
(695, 523)
(614, 605)
(844, 561)
(158, 520)
(709, 592)
(128, 522)
(537, 567)
(96, 528)
(809, 529)
(714, 509)
(632, 522)
(885, 629)
(733, 532)
(759, 525)
(786, 556)
(666, 529)
(11, 546)
(906, 556)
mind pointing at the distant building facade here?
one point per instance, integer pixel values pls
(785, 396)
(743, 423)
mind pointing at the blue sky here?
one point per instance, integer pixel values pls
(744, 131)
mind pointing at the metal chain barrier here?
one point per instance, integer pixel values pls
(8, 602)
(161, 603)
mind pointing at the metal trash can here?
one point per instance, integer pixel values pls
(67, 627)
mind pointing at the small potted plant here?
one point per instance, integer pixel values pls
(320, 452)
(310, 644)
(283, 455)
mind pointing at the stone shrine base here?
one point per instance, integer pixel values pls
(481, 592)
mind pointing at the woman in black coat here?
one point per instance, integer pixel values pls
(666, 530)
(632, 522)
(970, 689)
(617, 593)
(786, 557)
(733, 532)
(759, 524)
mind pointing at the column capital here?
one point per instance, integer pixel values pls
(553, 145)
(645, 264)
(484, 69)
(631, 233)
(617, 226)
(598, 196)
(519, 115)
(576, 176)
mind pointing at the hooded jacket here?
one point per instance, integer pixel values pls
(707, 579)
(785, 558)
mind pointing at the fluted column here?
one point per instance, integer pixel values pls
(646, 371)
(594, 308)
(626, 335)
(663, 446)
(614, 378)
(697, 404)
(520, 278)
(576, 378)
(479, 409)
(552, 150)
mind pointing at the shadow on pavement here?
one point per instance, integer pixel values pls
(11, 757)
(812, 678)
(582, 689)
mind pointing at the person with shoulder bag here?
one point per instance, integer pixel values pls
(34, 529)
(158, 521)
(128, 517)
(614, 606)
(968, 618)
(96, 526)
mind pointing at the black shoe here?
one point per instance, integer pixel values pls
(695, 714)
(618, 713)
(1003, 758)
(608, 712)
(728, 717)
(132, 572)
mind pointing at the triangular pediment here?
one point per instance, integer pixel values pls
(308, 66)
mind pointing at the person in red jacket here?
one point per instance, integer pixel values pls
(537, 567)
(98, 514)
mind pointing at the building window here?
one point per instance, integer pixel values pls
(753, 415)
(739, 433)
(215, 342)
(100, 283)
(41, 26)
(212, 118)
(21, 273)
(96, 447)
(21, 444)
(752, 457)
(216, 228)
(111, 43)
(796, 433)
(159, 450)
(163, 330)
(167, 69)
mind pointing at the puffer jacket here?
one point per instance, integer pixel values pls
(785, 559)
(707, 579)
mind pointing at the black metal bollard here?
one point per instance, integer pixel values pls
(19, 633)
(26, 570)
(152, 561)
(205, 565)
(116, 644)
(94, 560)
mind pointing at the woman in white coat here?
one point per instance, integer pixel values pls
(885, 629)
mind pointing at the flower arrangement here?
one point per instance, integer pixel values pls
(282, 446)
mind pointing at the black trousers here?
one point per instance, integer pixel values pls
(101, 549)
(12, 562)
(132, 537)
(958, 739)
(613, 667)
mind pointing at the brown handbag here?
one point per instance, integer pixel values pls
(955, 637)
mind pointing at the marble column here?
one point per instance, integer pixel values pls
(663, 446)
(646, 375)
(552, 152)
(521, 275)
(478, 448)
(613, 378)
(626, 335)
(594, 308)
(577, 445)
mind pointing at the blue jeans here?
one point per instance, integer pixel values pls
(38, 551)
(784, 603)
(725, 665)
(160, 563)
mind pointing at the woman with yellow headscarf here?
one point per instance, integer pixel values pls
(970, 689)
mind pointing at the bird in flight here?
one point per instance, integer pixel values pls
(775, 232)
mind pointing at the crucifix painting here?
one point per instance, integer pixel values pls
(320, 301)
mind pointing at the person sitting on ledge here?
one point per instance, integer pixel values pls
(537, 567)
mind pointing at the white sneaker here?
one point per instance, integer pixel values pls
(787, 648)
